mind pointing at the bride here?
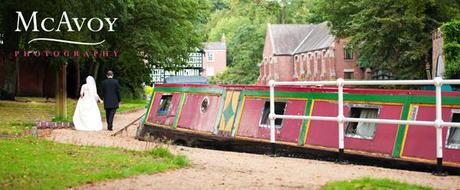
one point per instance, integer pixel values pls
(87, 116)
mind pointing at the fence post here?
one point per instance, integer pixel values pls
(271, 116)
(340, 119)
(438, 125)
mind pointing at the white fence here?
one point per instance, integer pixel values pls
(341, 119)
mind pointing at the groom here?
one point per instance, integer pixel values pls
(111, 96)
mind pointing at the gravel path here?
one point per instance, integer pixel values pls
(212, 169)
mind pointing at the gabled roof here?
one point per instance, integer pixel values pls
(186, 80)
(214, 46)
(290, 39)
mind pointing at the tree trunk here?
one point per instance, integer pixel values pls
(96, 70)
(8, 90)
(61, 91)
(78, 81)
(11, 44)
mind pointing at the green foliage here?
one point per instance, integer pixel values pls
(391, 35)
(180, 160)
(14, 128)
(451, 37)
(161, 152)
(244, 24)
(61, 119)
(39, 164)
(371, 184)
(244, 69)
(132, 104)
(157, 31)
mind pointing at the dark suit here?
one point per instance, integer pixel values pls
(111, 97)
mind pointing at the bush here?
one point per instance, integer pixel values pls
(128, 93)
(451, 48)
(161, 152)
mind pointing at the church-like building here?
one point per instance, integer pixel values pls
(307, 52)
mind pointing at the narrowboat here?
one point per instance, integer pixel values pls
(236, 117)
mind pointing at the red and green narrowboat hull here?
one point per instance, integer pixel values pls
(231, 115)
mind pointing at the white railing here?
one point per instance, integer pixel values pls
(341, 119)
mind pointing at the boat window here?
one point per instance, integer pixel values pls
(453, 138)
(362, 130)
(204, 105)
(165, 104)
(279, 110)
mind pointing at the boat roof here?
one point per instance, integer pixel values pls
(328, 89)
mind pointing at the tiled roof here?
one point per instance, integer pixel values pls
(186, 80)
(298, 38)
(214, 46)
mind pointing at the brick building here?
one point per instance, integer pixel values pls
(295, 52)
(215, 58)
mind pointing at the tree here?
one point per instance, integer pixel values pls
(161, 32)
(245, 69)
(393, 36)
(244, 24)
(451, 47)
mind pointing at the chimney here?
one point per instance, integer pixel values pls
(222, 39)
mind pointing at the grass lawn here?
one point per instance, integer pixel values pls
(32, 163)
(371, 184)
(21, 114)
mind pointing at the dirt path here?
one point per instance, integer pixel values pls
(213, 169)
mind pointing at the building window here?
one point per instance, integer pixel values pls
(362, 130)
(381, 75)
(453, 134)
(279, 110)
(211, 56)
(349, 75)
(165, 104)
(348, 53)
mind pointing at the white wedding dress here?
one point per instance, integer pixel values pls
(87, 116)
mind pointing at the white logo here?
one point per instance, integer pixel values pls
(48, 24)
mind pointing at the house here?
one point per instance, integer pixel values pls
(206, 62)
(193, 68)
(215, 58)
(307, 52)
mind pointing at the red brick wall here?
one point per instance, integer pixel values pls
(343, 64)
(284, 68)
(218, 65)
(35, 79)
(28, 80)
(268, 49)
(221, 61)
(325, 64)
(265, 65)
